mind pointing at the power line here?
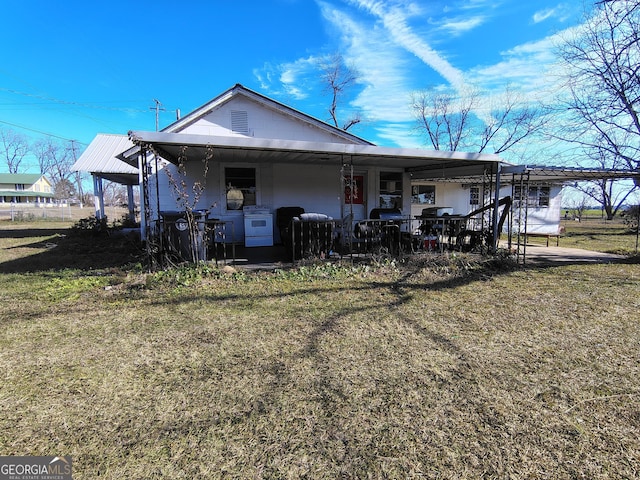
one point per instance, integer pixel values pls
(72, 103)
(42, 133)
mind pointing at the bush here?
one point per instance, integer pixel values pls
(90, 226)
(125, 222)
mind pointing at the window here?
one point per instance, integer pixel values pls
(474, 195)
(240, 187)
(423, 194)
(543, 196)
(538, 195)
(390, 190)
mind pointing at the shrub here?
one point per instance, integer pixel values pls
(90, 226)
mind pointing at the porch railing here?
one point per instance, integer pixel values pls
(206, 240)
(400, 236)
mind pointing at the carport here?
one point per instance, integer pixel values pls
(101, 160)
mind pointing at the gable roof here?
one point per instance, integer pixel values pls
(100, 159)
(21, 178)
(239, 90)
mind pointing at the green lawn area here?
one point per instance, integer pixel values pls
(445, 367)
(594, 233)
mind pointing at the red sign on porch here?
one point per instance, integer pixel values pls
(354, 189)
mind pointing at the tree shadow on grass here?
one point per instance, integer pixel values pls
(62, 249)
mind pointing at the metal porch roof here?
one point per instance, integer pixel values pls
(543, 173)
(427, 164)
(100, 159)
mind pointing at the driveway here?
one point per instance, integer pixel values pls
(541, 255)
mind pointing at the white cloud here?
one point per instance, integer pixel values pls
(388, 43)
(382, 67)
(543, 15)
(528, 67)
(459, 26)
(395, 20)
(288, 79)
(560, 12)
(402, 134)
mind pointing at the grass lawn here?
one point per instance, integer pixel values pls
(447, 368)
(596, 234)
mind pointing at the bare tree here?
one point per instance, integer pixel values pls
(602, 64)
(64, 189)
(188, 197)
(13, 147)
(338, 78)
(577, 206)
(57, 161)
(509, 122)
(115, 194)
(606, 192)
(445, 117)
(456, 122)
(45, 151)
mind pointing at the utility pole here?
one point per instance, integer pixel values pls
(78, 174)
(157, 109)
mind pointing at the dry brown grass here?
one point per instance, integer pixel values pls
(445, 369)
(601, 236)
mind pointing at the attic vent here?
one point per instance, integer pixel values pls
(239, 121)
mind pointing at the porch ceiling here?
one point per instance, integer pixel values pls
(422, 164)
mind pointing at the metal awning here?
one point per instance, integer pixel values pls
(543, 173)
(422, 164)
(100, 159)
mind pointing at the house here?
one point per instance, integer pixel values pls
(249, 156)
(25, 188)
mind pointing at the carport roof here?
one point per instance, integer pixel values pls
(543, 173)
(100, 159)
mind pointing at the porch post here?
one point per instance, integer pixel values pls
(496, 233)
(130, 202)
(98, 197)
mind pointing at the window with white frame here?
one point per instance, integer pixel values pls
(423, 194)
(240, 183)
(537, 195)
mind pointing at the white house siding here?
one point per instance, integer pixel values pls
(448, 195)
(542, 219)
(316, 188)
(457, 197)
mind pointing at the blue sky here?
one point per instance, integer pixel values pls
(77, 68)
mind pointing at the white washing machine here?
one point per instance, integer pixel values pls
(258, 226)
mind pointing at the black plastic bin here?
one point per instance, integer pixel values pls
(175, 229)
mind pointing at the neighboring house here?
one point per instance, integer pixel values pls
(25, 188)
(254, 155)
